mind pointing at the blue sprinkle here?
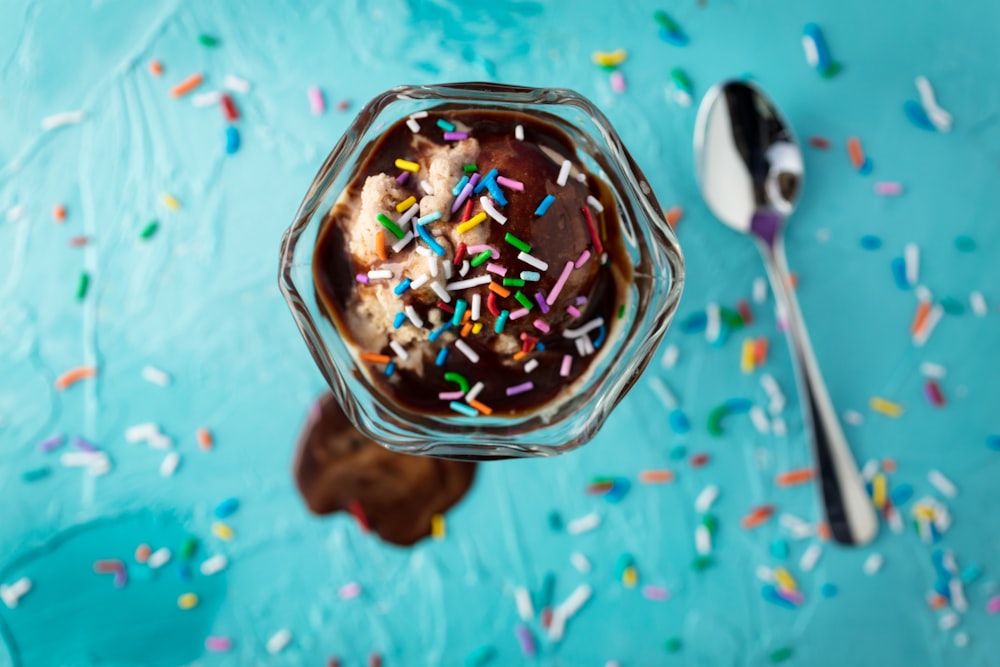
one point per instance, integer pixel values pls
(866, 167)
(823, 60)
(602, 333)
(970, 574)
(480, 656)
(390, 369)
(736, 406)
(232, 140)
(937, 558)
(547, 591)
(456, 318)
(488, 178)
(540, 346)
(398, 320)
(678, 452)
(993, 442)
(675, 37)
(916, 115)
(941, 586)
(434, 335)
(461, 184)
(496, 193)
(828, 590)
(779, 549)
(445, 125)
(679, 422)
(183, 571)
(901, 494)
(899, 273)
(501, 321)
(227, 507)
(555, 520)
(429, 218)
(441, 356)
(694, 323)
(618, 490)
(466, 410)
(35, 474)
(531, 275)
(544, 206)
(429, 240)
(770, 593)
(869, 242)
(402, 287)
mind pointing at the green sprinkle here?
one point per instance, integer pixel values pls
(513, 282)
(35, 474)
(702, 563)
(150, 229)
(82, 286)
(188, 547)
(390, 225)
(715, 419)
(678, 452)
(710, 522)
(731, 318)
(517, 243)
(481, 257)
(469, 168)
(621, 311)
(480, 656)
(965, 243)
(208, 40)
(831, 71)
(445, 125)
(459, 379)
(680, 78)
(665, 21)
(781, 654)
(952, 306)
(672, 645)
(523, 300)
(555, 521)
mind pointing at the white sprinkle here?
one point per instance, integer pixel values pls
(78, 459)
(404, 219)
(922, 293)
(156, 376)
(940, 118)
(441, 292)
(911, 254)
(160, 441)
(567, 364)
(759, 420)
(413, 125)
(169, 465)
(473, 393)
(491, 210)
(853, 417)
(557, 626)
(432, 266)
(583, 330)
(215, 564)
(278, 641)
(519, 133)
(140, 432)
(522, 598)
(426, 187)
(978, 303)
(379, 274)
(533, 261)
(811, 52)
(426, 252)
(779, 427)
(759, 290)
(530, 365)
(944, 485)
(349, 591)
(158, 558)
(206, 99)
(400, 351)
(948, 563)
(713, 328)
(236, 84)
(101, 465)
(770, 386)
(932, 370)
(933, 317)
(447, 270)
(810, 557)
(572, 604)
(464, 348)
(563, 173)
(403, 242)
(704, 501)
(419, 282)
(764, 573)
(61, 119)
(797, 527)
(948, 620)
(418, 114)
(469, 283)
(12, 594)
(595, 203)
(869, 470)
(702, 540)
(670, 355)
(961, 639)
(663, 392)
(581, 177)
(584, 346)
(873, 564)
(894, 519)
(413, 316)
(957, 594)
(465, 268)
(580, 562)
(15, 213)
(583, 524)
(477, 306)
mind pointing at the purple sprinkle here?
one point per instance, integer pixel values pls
(525, 639)
(121, 577)
(455, 136)
(362, 278)
(51, 442)
(520, 388)
(540, 298)
(474, 181)
(82, 445)
(581, 300)
(462, 196)
(402, 177)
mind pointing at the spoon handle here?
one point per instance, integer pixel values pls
(849, 512)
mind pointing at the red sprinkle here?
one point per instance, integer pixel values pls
(108, 566)
(374, 660)
(467, 213)
(743, 308)
(546, 617)
(598, 248)
(333, 662)
(445, 307)
(491, 304)
(932, 390)
(78, 241)
(819, 142)
(58, 212)
(343, 105)
(889, 465)
(459, 254)
(698, 460)
(229, 108)
(757, 516)
(155, 67)
(358, 512)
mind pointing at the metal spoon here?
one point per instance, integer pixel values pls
(749, 168)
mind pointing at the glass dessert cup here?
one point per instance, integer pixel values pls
(559, 426)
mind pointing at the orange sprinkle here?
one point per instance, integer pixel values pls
(823, 531)
(375, 358)
(155, 67)
(380, 246)
(58, 212)
(854, 151)
(760, 351)
(793, 477)
(656, 476)
(793, 280)
(757, 516)
(674, 215)
(498, 290)
(520, 355)
(204, 436)
(74, 375)
(485, 409)
(466, 329)
(920, 317)
(142, 553)
(889, 465)
(937, 601)
(187, 85)
(467, 316)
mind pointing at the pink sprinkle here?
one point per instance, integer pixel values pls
(455, 136)
(494, 268)
(450, 395)
(518, 314)
(351, 590)
(476, 249)
(316, 101)
(218, 644)
(540, 298)
(554, 294)
(567, 363)
(78, 241)
(362, 278)
(520, 388)
(993, 606)
(889, 188)
(617, 82)
(403, 175)
(541, 326)
(658, 593)
(510, 183)
(582, 259)
(794, 597)
(573, 310)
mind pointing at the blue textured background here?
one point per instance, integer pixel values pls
(200, 300)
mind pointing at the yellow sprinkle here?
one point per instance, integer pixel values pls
(888, 408)
(609, 59)
(222, 531)
(471, 222)
(747, 356)
(437, 527)
(878, 490)
(924, 512)
(187, 601)
(477, 327)
(406, 165)
(630, 577)
(406, 203)
(785, 579)
(170, 201)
